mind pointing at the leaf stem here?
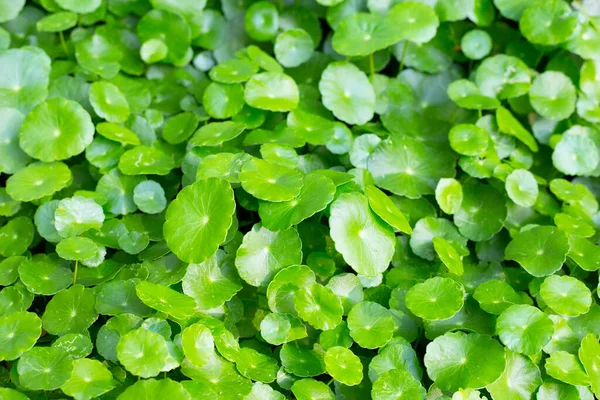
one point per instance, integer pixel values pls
(64, 44)
(75, 272)
(403, 55)
(372, 64)
(480, 113)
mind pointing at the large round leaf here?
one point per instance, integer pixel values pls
(371, 325)
(541, 250)
(405, 167)
(552, 95)
(212, 282)
(56, 130)
(24, 76)
(319, 306)
(461, 360)
(44, 368)
(365, 243)
(263, 253)
(70, 311)
(524, 329)
(482, 212)
(270, 182)
(89, 379)
(273, 91)
(549, 25)
(347, 92)
(38, 180)
(566, 295)
(198, 219)
(436, 298)
(143, 352)
(18, 333)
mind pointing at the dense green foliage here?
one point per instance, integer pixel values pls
(309, 199)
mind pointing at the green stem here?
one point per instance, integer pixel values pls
(75, 272)
(480, 113)
(64, 44)
(403, 55)
(372, 64)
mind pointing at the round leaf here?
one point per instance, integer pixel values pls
(56, 130)
(524, 329)
(197, 221)
(366, 245)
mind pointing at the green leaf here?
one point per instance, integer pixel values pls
(482, 212)
(566, 295)
(270, 182)
(464, 360)
(552, 95)
(549, 25)
(273, 91)
(567, 368)
(165, 299)
(436, 298)
(256, 366)
(198, 344)
(89, 379)
(223, 101)
(117, 133)
(76, 248)
(421, 240)
(524, 329)
(405, 167)
(108, 102)
(263, 253)
(468, 139)
(12, 157)
(589, 354)
(57, 22)
(575, 153)
(397, 384)
(18, 333)
(143, 353)
(520, 378)
(508, 124)
(387, 210)
(316, 193)
(522, 188)
(45, 275)
(56, 130)
(503, 77)
(10, 10)
(16, 236)
(344, 366)
(25, 72)
(293, 47)
(70, 311)
(476, 44)
(495, 296)
(541, 250)
(301, 361)
(319, 306)
(309, 389)
(153, 389)
(76, 215)
(366, 245)
(44, 368)
(143, 160)
(371, 325)
(347, 92)
(212, 282)
(197, 221)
